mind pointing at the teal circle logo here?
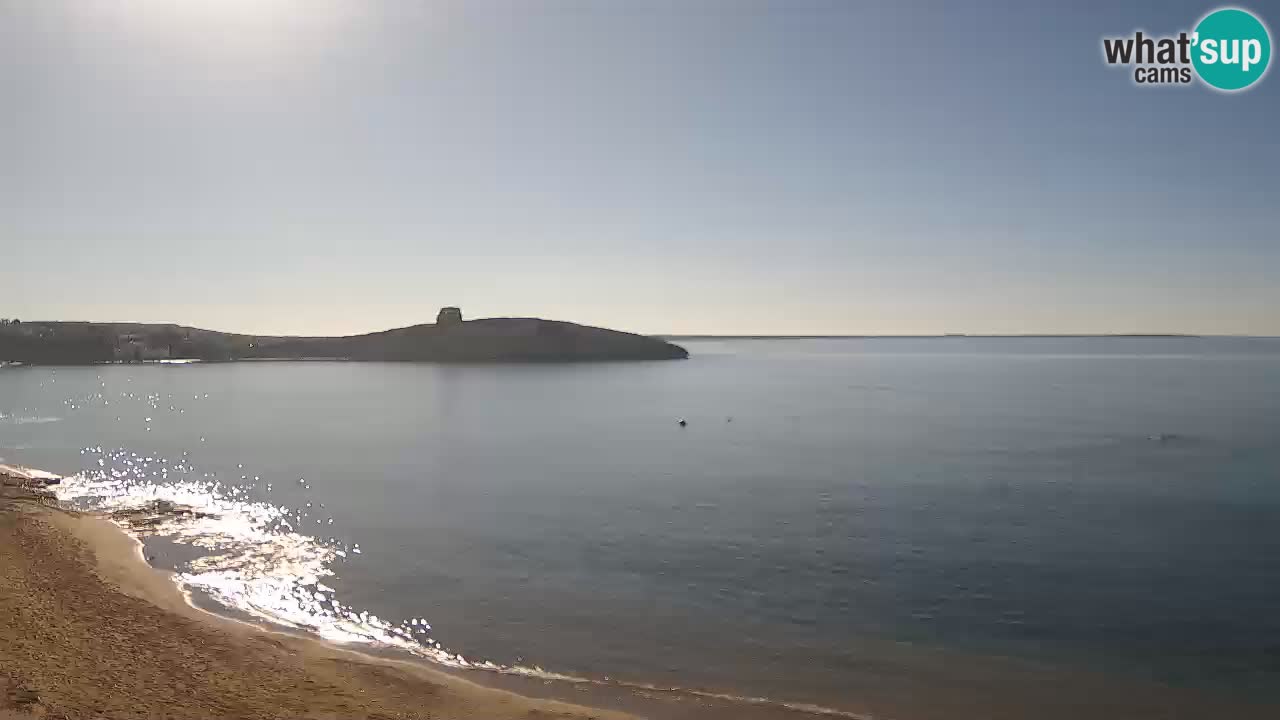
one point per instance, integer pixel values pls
(1232, 49)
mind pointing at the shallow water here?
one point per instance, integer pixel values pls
(832, 506)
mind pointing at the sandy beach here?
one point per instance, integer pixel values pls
(89, 630)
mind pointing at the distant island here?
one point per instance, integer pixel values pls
(449, 339)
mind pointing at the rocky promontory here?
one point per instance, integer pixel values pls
(449, 339)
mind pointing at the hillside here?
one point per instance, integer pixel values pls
(452, 340)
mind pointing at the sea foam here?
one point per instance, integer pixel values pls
(256, 560)
(254, 557)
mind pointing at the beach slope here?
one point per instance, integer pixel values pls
(89, 630)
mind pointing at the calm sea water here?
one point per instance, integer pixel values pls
(1106, 503)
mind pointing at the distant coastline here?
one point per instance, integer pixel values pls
(449, 339)
(947, 336)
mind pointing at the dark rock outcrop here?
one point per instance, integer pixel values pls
(509, 340)
(451, 340)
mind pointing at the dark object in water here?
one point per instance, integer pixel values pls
(681, 422)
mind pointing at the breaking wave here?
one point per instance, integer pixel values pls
(255, 557)
(256, 560)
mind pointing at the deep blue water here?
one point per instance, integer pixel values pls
(1108, 503)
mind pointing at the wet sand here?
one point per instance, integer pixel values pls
(88, 630)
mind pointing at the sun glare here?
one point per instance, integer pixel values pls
(240, 29)
(222, 15)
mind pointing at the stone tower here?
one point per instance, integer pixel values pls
(449, 316)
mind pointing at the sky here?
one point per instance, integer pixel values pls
(790, 167)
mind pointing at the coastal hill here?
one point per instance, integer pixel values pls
(449, 339)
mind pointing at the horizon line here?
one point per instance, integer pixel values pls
(722, 336)
(958, 336)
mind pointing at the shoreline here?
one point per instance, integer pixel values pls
(91, 567)
(93, 631)
(107, 551)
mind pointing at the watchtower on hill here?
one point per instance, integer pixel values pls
(449, 316)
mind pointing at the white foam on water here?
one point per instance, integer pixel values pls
(257, 562)
(255, 559)
(28, 419)
(26, 473)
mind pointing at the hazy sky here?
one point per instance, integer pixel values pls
(272, 166)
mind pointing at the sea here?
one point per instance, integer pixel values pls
(861, 527)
